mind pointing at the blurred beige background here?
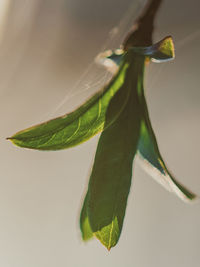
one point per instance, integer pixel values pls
(46, 52)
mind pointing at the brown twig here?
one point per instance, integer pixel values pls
(142, 31)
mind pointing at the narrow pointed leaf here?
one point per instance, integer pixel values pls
(80, 125)
(152, 161)
(110, 179)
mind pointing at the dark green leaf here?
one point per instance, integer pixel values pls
(148, 150)
(112, 170)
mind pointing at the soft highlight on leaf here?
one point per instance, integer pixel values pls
(151, 159)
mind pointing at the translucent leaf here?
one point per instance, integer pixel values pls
(83, 123)
(151, 159)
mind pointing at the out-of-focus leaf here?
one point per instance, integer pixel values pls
(151, 159)
(110, 179)
(84, 221)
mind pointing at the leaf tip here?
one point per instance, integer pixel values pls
(86, 234)
(11, 139)
(165, 50)
(167, 47)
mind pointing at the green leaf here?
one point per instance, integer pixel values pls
(89, 119)
(151, 158)
(110, 179)
(84, 221)
(80, 125)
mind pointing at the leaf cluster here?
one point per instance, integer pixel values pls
(119, 111)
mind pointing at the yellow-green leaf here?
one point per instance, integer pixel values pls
(86, 121)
